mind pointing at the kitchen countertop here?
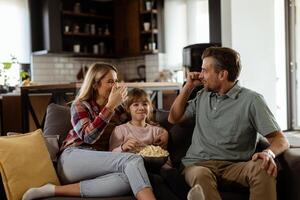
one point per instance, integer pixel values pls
(146, 85)
(59, 91)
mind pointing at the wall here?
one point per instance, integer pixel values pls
(62, 69)
(248, 26)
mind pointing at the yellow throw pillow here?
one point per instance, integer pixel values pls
(25, 163)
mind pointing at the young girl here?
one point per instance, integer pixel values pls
(138, 132)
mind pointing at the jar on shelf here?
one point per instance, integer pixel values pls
(106, 31)
(146, 26)
(93, 29)
(87, 28)
(76, 48)
(148, 5)
(67, 29)
(77, 7)
(76, 29)
(102, 49)
(95, 48)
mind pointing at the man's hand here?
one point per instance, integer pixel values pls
(194, 79)
(268, 163)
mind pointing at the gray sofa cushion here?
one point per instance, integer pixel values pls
(60, 127)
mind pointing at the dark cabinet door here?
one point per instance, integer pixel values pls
(45, 25)
(126, 15)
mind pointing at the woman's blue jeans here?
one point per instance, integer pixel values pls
(101, 173)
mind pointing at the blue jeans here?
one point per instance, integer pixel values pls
(101, 173)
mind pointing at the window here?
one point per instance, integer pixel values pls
(14, 34)
(186, 22)
(294, 60)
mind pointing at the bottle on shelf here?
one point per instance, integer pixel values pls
(93, 29)
(77, 7)
(95, 48)
(106, 32)
(102, 48)
(76, 28)
(87, 28)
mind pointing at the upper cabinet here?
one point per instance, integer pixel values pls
(151, 26)
(98, 28)
(87, 27)
(127, 30)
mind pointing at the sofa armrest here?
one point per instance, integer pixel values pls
(290, 173)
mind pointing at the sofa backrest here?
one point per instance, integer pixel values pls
(180, 136)
(57, 121)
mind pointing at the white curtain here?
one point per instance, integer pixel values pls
(186, 22)
(14, 31)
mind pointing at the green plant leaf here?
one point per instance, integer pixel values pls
(7, 65)
(24, 74)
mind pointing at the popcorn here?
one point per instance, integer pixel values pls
(153, 151)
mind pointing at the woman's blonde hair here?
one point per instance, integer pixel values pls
(94, 75)
(135, 95)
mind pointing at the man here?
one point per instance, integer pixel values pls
(228, 118)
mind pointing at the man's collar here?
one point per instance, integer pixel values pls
(232, 93)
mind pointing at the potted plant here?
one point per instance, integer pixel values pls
(9, 79)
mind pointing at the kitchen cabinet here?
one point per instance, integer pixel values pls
(151, 24)
(110, 28)
(87, 27)
(139, 27)
(127, 31)
(45, 25)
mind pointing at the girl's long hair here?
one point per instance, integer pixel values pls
(92, 79)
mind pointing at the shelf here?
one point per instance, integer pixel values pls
(87, 35)
(82, 54)
(153, 11)
(154, 31)
(73, 14)
(149, 51)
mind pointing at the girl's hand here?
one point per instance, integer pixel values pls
(162, 140)
(132, 145)
(117, 96)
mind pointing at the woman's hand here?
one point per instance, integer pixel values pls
(131, 145)
(117, 96)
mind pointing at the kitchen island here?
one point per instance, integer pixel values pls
(66, 92)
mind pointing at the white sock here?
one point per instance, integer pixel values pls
(196, 193)
(47, 190)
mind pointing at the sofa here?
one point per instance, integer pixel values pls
(57, 122)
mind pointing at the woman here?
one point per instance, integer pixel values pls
(86, 171)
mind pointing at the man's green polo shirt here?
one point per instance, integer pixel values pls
(226, 126)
